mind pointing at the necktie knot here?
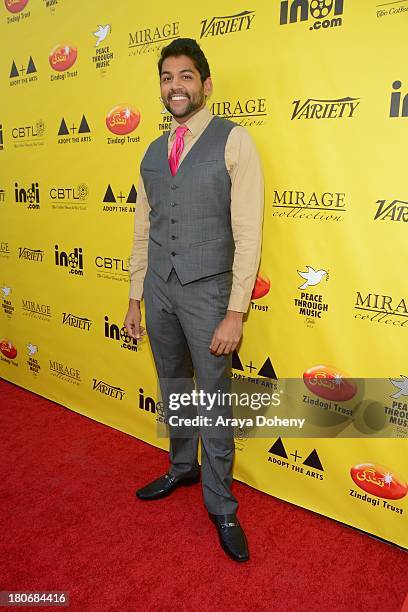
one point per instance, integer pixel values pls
(181, 130)
(177, 148)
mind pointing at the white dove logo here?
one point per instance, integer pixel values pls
(402, 385)
(6, 291)
(32, 349)
(312, 277)
(101, 33)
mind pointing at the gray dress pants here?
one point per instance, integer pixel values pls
(180, 322)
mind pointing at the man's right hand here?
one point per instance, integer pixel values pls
(133, 319)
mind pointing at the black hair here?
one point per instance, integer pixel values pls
(189, 47)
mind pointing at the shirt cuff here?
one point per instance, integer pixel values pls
(239, 301)
(136, 290)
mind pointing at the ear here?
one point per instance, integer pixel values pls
(208, 87)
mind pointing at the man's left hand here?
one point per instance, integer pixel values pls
(227, 334)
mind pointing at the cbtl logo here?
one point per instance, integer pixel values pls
(15, 6)
(62, 57)
(122, 119)
(329, 383)
(261, 287)
(8, 349)
(379, 480)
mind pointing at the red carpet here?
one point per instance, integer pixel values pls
(71, 522)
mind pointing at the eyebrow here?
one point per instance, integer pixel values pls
(180, 71)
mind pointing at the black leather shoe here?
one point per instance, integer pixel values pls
(165, 485)
(232, 536)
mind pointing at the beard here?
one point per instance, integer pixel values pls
(194, 103)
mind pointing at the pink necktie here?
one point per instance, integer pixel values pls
(177, 148)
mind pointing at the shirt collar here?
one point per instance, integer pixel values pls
(195, 124)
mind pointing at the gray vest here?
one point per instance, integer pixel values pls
(190, 216)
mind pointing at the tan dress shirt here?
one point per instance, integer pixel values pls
(247, 202)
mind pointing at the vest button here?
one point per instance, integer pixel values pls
(174, 186)
(172, 220)
(173, 237)
(172, 203)
(173, 253)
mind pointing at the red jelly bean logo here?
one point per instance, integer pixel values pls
(15, 6)
(329, 383)
(122, 119)
(379, 480)
(8, 349)
(63, 57)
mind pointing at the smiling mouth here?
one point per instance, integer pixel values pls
(178, 98)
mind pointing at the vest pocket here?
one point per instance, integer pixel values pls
(206, 241)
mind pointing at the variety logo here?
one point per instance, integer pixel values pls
(397, 210)
(20, 76)
(29, 195)
(122, 119)
(63, 57)
(69, 198)
(112, 331)
(8, 349)
(329, 383)
(106, 389)
(381, 309)
(249, 112)
(73, 260)
(65, 372)
(324, 13)
(29, 135)
(379, 480)
(30, 254)
(36, 310)
(82, 129)
(218, 26)
(338, 108)
(110, 200)
(151, 40)
(75, 321)
(15, 6)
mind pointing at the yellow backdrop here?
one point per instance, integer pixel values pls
(323, 88)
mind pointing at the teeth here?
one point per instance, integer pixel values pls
(179, 98)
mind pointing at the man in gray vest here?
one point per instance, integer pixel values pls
(196, 251)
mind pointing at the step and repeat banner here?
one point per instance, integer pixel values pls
(322, 86)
